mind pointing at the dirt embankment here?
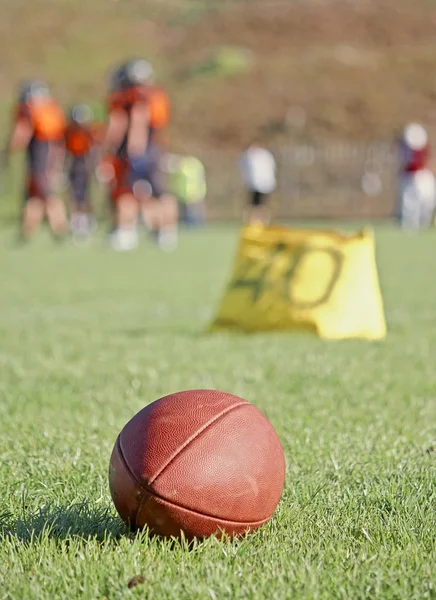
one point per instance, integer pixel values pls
(321, 69)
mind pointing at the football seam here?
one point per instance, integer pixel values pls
(187, 442)
(145, 490)
(153, 495)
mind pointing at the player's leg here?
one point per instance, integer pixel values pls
(166, 210)
(257, 212)
(410, 203)
(79, 176)
(169, 222)
(40, 203)
(193, 213)
(139, 167)
(142, 191)
(160, 214)
(126, 210)
(34, 205)
(125, 235)
(33, 211)
(47, 176)
(56, 216)
(427, 194)
(159, 210)
(54, 207)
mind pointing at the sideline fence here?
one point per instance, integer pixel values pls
(330, 180)
(339, 180)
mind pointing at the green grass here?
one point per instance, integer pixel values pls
(89, 337)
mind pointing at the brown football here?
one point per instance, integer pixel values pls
(201, 462)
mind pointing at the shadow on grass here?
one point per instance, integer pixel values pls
(80, 521)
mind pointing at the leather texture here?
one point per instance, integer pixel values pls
(201, 462)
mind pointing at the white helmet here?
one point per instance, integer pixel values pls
(415, 136)
(33, 90)
(81, 114)
(139, 72)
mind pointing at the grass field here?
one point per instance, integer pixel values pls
(87, 338)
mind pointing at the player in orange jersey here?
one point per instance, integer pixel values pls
(38, 128)
(81, 140)
(138, 111)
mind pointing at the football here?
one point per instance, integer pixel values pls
(201, 462)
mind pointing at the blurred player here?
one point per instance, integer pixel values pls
(80, 145)
(38, 128)
(187, 180)
(416, 181)
(258, 170)
(138, 111)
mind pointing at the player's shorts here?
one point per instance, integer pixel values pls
(79, 178)
(145, 174)
(258, 198)
(41, 175)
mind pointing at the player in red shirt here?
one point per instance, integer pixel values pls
(138, 111)
(81, 140)
(416, 180)
(38, 128)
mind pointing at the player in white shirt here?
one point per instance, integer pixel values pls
(258, 170)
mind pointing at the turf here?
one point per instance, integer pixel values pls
(89, 337)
